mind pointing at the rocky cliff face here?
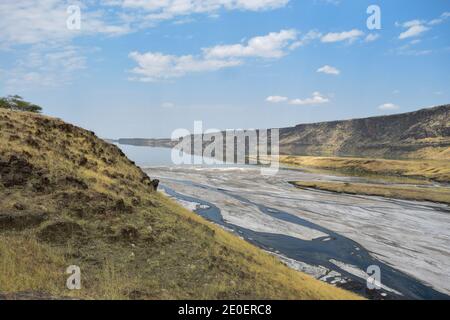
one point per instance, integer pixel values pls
(424, 134)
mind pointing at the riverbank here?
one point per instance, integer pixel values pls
(416, 193)
(389, 170)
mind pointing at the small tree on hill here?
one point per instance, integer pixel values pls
(17, 103)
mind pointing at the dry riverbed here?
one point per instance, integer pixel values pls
(410, 236)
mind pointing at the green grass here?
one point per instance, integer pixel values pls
(101, 214)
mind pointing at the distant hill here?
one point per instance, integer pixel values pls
(69, 198)
(424, 134)
(161, 143)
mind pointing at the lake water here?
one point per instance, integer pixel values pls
(145, 156)
(149, 157)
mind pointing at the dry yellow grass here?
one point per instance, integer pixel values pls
(399, 192)
(437, 170)
(129, 241)
(25, 265)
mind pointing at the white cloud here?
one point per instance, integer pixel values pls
(36, 33)
(277, 99)
(158, 66)
(349, 36)
(26, 24)
(155, 66)
(148, 13)
(409, 50)
(306, 39)
(43, 66)
(372, 37)
(273, 45)
(414, 30)
(439, 20)
(435, 22)
(317, 98)
(388, 106)
(44, 21)
(412, 23)
(159, 10)
(333, 2)
(329, 70)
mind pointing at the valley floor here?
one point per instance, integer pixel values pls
(334, 237)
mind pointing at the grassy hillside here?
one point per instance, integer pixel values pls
(69, 198)
(424, 134)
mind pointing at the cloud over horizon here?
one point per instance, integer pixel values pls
(388, 106)
(316, 99)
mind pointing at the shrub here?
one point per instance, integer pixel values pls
(17, 103)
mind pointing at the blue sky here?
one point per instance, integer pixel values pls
(139, 68)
